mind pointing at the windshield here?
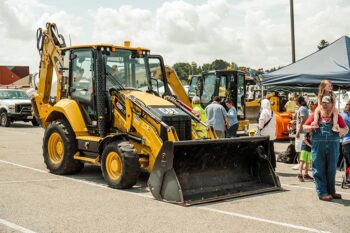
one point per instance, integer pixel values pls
(126, 70)
(208, 89)
(193, 87)
(6, 94)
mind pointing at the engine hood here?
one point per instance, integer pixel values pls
(149, 99)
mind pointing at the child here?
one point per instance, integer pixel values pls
(305, 158)
(324, 89)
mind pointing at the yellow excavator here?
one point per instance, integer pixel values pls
(109, 109)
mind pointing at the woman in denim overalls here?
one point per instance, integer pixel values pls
(325, 152)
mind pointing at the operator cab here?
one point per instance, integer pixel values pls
(91, 72)
(227, 84)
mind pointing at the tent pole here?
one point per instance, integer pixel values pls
(338, 99)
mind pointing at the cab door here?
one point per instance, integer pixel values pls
(241, 93)
(82, 83)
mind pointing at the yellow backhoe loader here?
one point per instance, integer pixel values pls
(109, 110)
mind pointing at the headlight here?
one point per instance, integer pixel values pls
(12, 108)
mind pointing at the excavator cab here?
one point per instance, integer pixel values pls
(121, 69)
(227, 84)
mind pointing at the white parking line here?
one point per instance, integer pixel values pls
(79, 181)
(300, 187)
(148, 195)
(262, 220)
(27, 181)
(15, 227)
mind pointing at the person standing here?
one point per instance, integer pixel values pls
(305, 159)
(232, 119)
(290, 105)
(216, 115)
(200, 113)
(346, 138)
(325, 149)
(302, 115)
(267, 127)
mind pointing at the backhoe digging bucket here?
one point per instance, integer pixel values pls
(193, 172)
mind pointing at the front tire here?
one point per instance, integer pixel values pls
(120, 165)
(4, 119)
(59, 147)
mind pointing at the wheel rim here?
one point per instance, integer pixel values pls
(55, 148)
(114, 165)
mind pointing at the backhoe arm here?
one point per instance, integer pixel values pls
(49, 44)
(176, 86)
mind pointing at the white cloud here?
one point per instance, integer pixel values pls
(253, 33)
(17, 18)
(118, 25)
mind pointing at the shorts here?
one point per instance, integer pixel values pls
(299, 142)
(305, 156)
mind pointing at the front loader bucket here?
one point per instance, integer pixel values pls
(193, 172)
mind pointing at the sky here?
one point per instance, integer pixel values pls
(253, 33)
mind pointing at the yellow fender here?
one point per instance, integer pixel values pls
(70, 109)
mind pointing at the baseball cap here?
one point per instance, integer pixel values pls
(326, 99)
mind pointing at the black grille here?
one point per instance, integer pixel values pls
(182, 125)
(23, 108)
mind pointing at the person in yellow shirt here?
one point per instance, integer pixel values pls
(199, 112)
(290, 106)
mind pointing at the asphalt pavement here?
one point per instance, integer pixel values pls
(34, 200)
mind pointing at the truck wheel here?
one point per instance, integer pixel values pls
(120, 165)
(59, 147)
(4, 120)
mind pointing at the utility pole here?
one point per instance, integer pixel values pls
(292, 29)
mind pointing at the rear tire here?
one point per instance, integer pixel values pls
(4, 119)
(120, 165)
(59, 147)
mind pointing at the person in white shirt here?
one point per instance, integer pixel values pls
(267, 126)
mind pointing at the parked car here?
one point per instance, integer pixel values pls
(15, 105)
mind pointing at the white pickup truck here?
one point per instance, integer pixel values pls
(15, 105)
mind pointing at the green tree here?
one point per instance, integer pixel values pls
(323, 44)
(219, 64)
(182, 70)
(206, 67)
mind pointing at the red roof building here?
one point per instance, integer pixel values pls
(11, 74)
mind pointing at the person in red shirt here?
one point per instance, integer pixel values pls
(325, 149)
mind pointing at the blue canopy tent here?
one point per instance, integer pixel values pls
(331, 62)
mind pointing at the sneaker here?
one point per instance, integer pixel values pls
(308, 177)
(300, 178)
